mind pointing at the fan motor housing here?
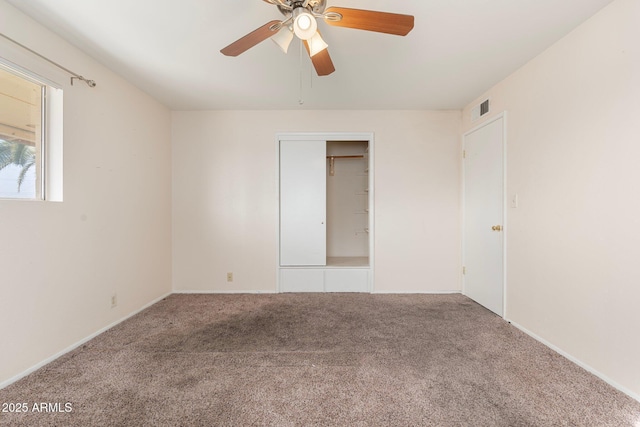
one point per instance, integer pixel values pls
(315, 6)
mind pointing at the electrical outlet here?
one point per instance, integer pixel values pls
(114, 300)
(229, 277)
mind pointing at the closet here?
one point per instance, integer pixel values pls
(325, 213)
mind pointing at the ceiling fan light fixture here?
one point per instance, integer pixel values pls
(283, 38)
(316, 44)
(304, 23)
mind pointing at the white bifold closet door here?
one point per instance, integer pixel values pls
(303, 201)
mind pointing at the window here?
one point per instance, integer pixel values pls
(25, 121)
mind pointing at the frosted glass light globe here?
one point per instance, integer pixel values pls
(304, 23)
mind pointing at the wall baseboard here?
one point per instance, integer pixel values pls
(77, 344)
(417, 293)
(274, 292)
(209, 292)
(578, 362)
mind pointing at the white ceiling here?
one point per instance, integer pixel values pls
(170, 49)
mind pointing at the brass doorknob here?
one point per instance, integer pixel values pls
(497, 228)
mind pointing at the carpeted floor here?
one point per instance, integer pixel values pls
(316, 359)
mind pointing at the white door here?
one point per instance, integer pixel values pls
(484, 215)
(303, 200)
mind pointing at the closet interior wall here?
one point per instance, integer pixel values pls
(347, 203)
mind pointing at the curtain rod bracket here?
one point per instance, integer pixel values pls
(89, 83)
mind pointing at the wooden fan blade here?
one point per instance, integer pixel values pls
(321, 61)
(250, 40)
(380, 22)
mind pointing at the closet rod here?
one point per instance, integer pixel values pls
(332, 160)
(89, 83)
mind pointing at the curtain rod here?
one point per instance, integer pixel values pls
(89, 83)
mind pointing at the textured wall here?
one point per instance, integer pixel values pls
(574, 241)
(225, 206)
(62, 261)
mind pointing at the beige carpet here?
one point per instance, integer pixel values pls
(316, 360)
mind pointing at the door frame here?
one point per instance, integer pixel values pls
(329, 136)
(505, 228)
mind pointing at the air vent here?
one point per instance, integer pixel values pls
(480, 110)
(484, 108)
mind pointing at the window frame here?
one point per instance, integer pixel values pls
(49, 141)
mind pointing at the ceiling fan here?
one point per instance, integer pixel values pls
(300, 19)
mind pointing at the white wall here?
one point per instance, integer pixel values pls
(60, 262)
(573, 149)
(225, 200)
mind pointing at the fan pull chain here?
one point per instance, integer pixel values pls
(300, 98)
(311, 69)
